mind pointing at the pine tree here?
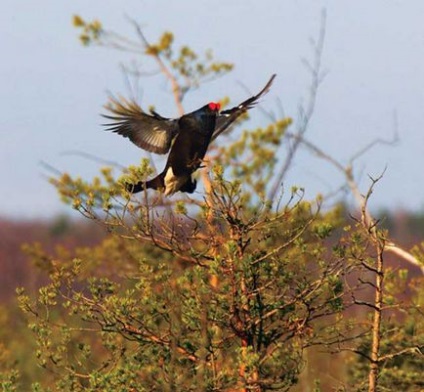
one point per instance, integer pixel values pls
(220, 291)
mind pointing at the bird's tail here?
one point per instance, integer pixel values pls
(154, 183)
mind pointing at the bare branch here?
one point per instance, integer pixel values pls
(93, 158)
(305, 115)
(176, 88)
(372, 144)
(410, 350)
(347, 172)
(398, 251)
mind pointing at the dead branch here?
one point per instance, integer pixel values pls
(410, 350)
(305, 114)
(177, 90)
(347, 172)
(93, 158)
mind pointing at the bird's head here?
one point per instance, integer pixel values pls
(214, 106)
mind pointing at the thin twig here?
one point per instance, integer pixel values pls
(176, 88)
(305, 115)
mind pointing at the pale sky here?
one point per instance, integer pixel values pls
(53, 89)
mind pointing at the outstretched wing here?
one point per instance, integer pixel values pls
(227, 117)
(151, 132)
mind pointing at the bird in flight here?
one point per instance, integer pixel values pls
(186, 138)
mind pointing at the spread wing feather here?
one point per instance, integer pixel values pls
(151, 132)
(227, 117)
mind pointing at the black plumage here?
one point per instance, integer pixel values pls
(186, 138)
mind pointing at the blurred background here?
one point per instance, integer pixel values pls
(53, 88)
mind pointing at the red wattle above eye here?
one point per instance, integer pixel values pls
(214, 106)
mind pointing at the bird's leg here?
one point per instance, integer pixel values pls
(205, 161)
(196, 163)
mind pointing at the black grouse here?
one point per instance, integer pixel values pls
(187, 137)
